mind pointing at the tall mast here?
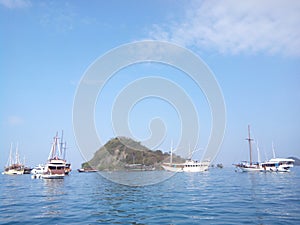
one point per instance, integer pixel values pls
(171, 156)
(57, 146)
(258, 153)
(10, 162)
(249, 140)
(54, 146)
(17, 160)
(61, 143)
(53, 149)
(273, 150)
(64, 150)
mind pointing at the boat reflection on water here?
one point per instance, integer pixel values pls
(54, 189)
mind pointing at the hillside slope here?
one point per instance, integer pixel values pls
(297, 161)
(123, 153)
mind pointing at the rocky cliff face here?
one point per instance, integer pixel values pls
(123, 153)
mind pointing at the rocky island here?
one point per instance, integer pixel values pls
(122, 153)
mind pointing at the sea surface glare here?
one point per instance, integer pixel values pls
(219, 196)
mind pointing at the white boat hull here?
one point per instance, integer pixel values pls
(52, 176)
(195, 169)
(13, 172)
(172, 168)
(189, 166)
(273, 165)
(249, 169)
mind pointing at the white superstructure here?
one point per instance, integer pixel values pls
(278, 165)
(187, 166)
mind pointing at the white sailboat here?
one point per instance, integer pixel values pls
(56, 165)
(272, 165)
(14, 166)
(246, 166)
(188, 166)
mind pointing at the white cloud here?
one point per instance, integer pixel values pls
(13, 4)
(58, 15)
(15, 120)
(233, 27)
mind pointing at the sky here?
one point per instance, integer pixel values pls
(251, 47)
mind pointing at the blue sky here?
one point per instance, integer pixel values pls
(253, 49)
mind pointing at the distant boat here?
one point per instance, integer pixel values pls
(68, 168)
(87, 170)
(56, 166)
(272, 165)
(246, 166)
(14, 166)
(278, 165)
(27, 170)
(37, 171)
(188, 166)
(220, 165)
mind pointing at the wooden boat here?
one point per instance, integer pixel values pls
(14, 166)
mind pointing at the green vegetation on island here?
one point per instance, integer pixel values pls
(122, 153)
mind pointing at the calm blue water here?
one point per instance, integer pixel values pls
(219, 196)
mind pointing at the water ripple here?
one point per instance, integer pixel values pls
(215, 197)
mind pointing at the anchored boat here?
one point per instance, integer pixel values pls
(14, 166)
(246, 166)
(272, 165)
(37, 171)
(56, 166)
(278, 165)
(188, 166)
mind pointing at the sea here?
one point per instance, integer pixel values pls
(218, 196)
